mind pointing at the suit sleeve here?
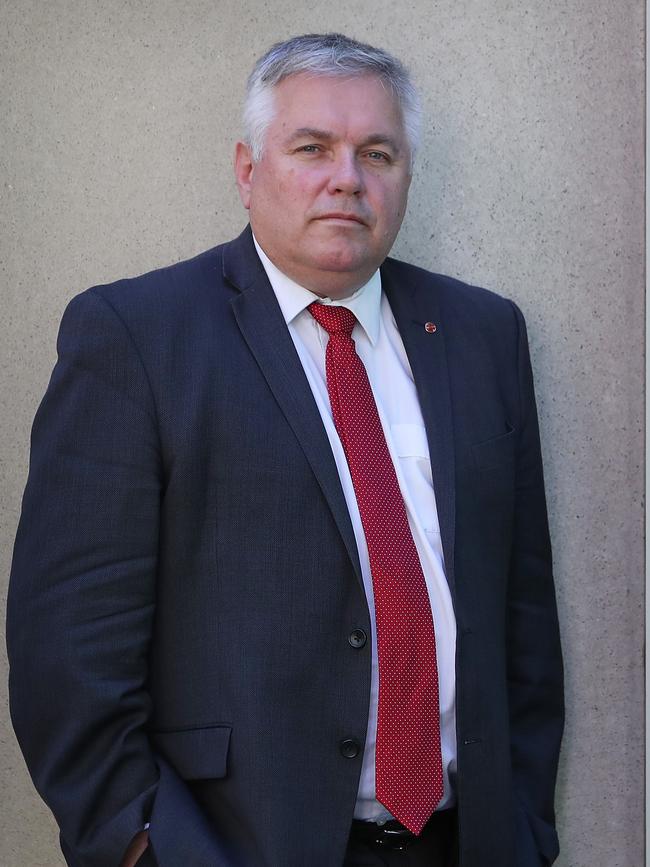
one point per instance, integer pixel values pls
(82, 599)
(535, 673)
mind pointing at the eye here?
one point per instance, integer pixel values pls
(378, 156)
(309, 149)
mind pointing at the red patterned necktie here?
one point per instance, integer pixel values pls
(409, 780)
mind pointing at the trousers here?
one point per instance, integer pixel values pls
(437, 846)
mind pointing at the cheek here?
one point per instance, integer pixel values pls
(398, 203)
(390, 208)
(392, 211)
(387, 198)
(294, 188)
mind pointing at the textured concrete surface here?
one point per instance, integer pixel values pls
(118, 125)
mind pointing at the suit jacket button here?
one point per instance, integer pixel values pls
(349, 748)
(357, 638)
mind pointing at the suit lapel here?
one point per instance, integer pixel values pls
(263, 328)
(412, 308)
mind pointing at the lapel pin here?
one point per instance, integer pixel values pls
(430, 327)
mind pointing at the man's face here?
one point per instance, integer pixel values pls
(328, 196)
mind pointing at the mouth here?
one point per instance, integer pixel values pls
(341, 217)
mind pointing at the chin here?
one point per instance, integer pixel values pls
(344, 260)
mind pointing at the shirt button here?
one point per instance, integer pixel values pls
(349, 748)
(357, 638)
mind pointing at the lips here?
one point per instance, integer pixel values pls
(338, 215)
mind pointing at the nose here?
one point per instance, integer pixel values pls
(346, 175)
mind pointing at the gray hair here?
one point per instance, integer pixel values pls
(324, 54)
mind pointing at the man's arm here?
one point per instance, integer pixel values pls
(81, 603)
(535, 674)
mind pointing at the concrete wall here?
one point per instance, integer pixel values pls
(119, 121)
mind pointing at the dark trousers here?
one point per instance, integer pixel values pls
(437, 846)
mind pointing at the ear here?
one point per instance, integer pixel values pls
(244, 168)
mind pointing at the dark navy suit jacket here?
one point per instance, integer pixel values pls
(185, 577)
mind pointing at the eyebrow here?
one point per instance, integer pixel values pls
(323, 135)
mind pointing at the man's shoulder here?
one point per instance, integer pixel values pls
(165, 301)
(179, 283)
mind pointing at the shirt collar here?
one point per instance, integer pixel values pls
(293, 298)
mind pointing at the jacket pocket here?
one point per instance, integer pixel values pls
(534, 838)
(495, 452)
(198, 753)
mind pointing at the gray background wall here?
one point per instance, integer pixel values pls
(119, 119)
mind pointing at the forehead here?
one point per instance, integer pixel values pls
(344, 105)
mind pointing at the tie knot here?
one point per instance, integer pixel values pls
(335, 320)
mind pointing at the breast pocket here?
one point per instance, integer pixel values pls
(496, 452)
(485, 492)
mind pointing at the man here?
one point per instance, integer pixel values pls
(282, 586)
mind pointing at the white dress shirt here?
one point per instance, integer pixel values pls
(379, 345)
